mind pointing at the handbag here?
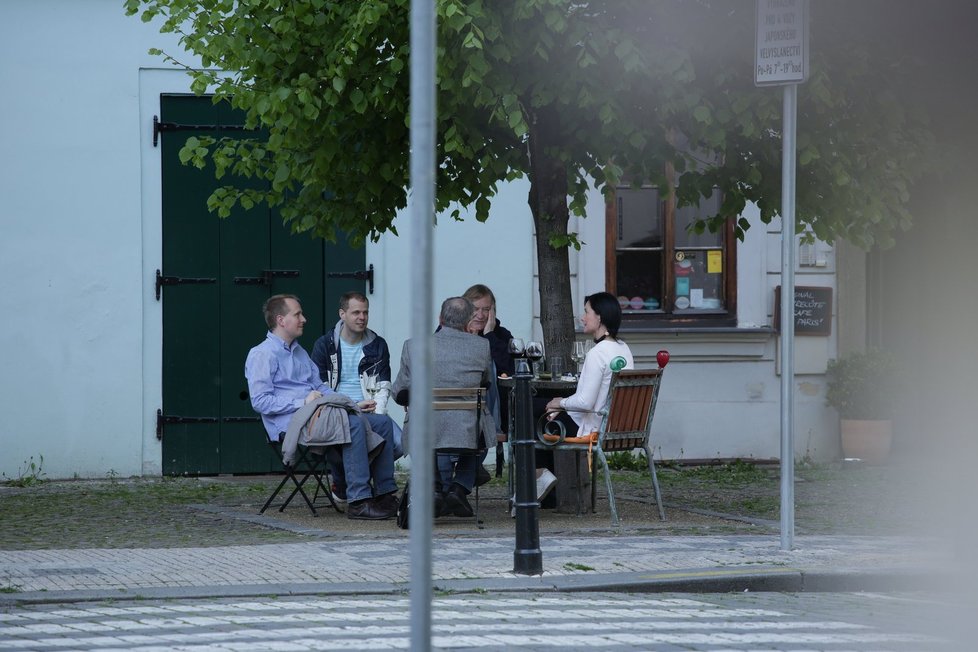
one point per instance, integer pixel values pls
(403, 507)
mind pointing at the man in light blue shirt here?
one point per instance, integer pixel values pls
(282, 378)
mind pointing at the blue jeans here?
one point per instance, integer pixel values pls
(359, 469)
(398, 445)
(457, 469)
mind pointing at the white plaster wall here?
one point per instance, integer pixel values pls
(498, 253)
(725, 410)
(70, 236)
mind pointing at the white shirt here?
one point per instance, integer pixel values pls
(594, 384)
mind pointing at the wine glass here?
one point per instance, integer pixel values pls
(516, 347)
(578, 356)
(371, 386)
(534, 351)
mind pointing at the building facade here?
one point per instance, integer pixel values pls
(88, 252)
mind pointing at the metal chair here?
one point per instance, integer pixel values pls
(626, 424)
(308, 464)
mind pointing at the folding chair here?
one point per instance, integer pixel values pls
(626, 424)
(308, 464)
(468, 398)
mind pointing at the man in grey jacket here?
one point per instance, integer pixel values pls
(282, 379)
(460, 360)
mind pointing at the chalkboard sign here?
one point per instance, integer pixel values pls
(813, 310)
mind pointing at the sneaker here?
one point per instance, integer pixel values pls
(545, 484)
(338, 494)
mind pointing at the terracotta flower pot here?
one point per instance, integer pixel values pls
(868, 440)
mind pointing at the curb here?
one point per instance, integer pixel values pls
(715, 580)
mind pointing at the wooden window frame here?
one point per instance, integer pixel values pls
(652, 320)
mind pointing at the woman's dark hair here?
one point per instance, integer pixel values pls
(606, 306)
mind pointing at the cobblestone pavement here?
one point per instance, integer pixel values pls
(373, 564)
(173, 542)
(580, 621)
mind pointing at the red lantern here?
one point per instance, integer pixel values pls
(662, 357)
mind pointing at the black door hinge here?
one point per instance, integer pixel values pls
(159, 127)
(363, 275)
(178, 280)
(163, 419)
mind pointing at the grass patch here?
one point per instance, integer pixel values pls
(30, 474)
(627, 461)
(735, 473)
(579, 567)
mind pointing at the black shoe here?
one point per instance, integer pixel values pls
(481, 475)
(387, 502)
(367, 510)
(441, 509)
(456, 503)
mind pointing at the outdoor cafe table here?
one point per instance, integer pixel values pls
(565, 460)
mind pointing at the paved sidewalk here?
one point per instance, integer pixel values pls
(371, 565)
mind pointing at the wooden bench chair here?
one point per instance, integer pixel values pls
(626, 424)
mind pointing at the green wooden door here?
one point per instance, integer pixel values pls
(217, 272)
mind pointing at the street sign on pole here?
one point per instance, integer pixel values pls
(781, 43)
(781, 58)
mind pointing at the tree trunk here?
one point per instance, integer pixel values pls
(548, 204)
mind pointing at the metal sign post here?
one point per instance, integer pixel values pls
(788, 318)
(781, 58)
(422, 217)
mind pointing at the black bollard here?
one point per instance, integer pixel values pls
(527, 558)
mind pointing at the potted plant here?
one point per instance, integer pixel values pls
(862, 389)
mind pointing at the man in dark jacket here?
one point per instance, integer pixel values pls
(367, 357)
(355, 361)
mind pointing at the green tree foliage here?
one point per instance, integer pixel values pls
(571, 94)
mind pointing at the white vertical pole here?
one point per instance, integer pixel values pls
(788, 317)
(422, 216)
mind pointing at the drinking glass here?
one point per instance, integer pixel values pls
(556, 367)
